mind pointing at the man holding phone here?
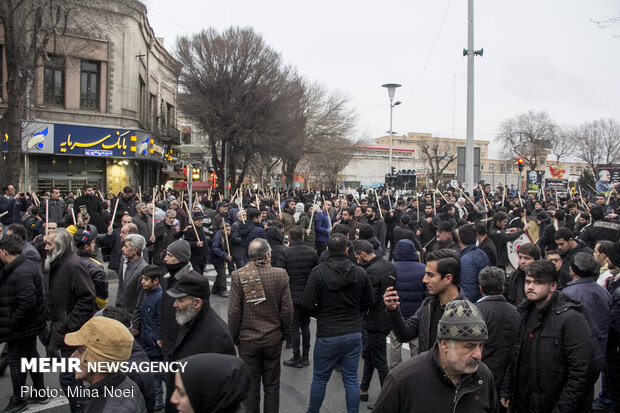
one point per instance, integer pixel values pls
(382, 274)
(92, 204)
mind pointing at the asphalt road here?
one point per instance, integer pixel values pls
(294, 383)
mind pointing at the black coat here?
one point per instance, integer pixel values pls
(164, 236)
(199, 254)
(206, 333)
(298, 260)
(500, 238)
(420, 385)
(71, 299)
(97, 274)
(95, 210)
(169, 328)
(601, 230)
(113, 242)
(515, 287)
(22, 301)
(503, 321)
(379, 272)
(550, 368)
(489, 249)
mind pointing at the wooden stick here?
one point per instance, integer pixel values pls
(378, 204)
(279, 203)
(47, 215)
(153, 214)
(594, 189)
(73, 215)
(582, 201)
(504, 196)
(140, 193)
(114, 213)
(520, 201)
(434, 204)
(444, 198)
(465, 195)
(101, 195)
(192, 221)
(225, 236)
(484, 197)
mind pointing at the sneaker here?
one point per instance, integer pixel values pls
(223, 293)
(39, 400)
(305, 361)
(363, 396)
(15, 405)
(293, 362)
(370, 406)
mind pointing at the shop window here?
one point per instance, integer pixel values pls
(54, 81)
(89, 85)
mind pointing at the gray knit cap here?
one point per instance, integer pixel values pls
(180, 249)
(462, 320)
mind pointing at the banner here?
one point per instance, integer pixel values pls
(558, 185)
(608, 178)
(534, 181)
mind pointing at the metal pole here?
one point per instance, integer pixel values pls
(190, 171)
(469, 144)
(391, 135)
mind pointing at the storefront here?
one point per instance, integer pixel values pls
(69, 156)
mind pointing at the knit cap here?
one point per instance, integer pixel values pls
(180, 249)
(462, 320)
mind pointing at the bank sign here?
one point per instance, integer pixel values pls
(61, 139)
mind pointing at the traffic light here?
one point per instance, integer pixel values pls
(184, 171)
(520, 163)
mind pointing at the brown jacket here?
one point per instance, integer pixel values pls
(264, 324)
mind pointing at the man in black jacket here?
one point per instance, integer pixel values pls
(502, 320)
(451, 376)
(337, 293)
(71, 299)
(85, 245)
(298, 260)
(93, 208)
(442, 279)
(550, 369)
(22, 315)
(569, 246)
(377, 326)
(199, 247)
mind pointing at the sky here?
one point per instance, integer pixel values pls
(538, 55)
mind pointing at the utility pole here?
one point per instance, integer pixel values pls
(391, 87)
(469, 143)
(225, 180)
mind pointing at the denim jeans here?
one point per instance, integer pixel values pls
(329, 352)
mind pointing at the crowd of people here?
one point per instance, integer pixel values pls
(506, 301)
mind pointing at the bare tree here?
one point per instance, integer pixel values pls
(529, 136)
(438, 156)
(325, 164)
(326, 119)
(563, 143)
(597, 142)
(238, 90)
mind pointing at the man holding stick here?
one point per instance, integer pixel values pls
(219, 257)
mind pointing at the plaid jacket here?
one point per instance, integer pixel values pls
(264, 324)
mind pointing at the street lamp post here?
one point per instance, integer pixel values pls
(391, 87)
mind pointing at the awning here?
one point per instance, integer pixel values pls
(173, 175)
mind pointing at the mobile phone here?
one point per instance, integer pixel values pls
(392, 281)
(83, 210)
(286, 238)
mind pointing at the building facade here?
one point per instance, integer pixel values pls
(102, 105)
(370, 162)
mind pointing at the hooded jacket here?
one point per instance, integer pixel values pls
(473, 260)
(515, 287)
(337, 292)
(275, 238)
(215, 383)
(409, 276)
